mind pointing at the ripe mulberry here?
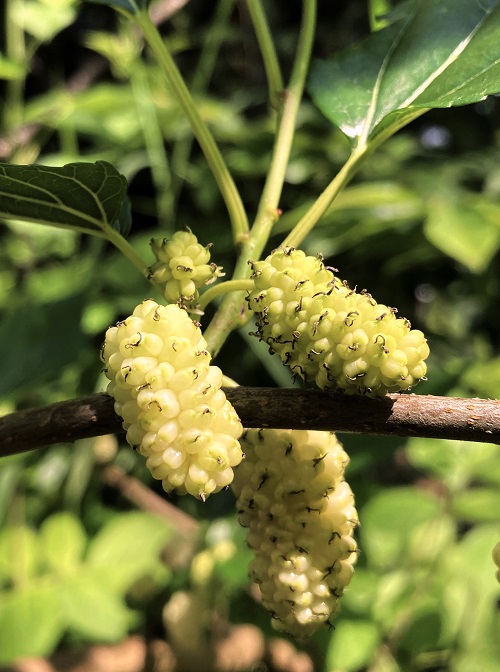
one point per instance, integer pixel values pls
(300, 516)
(326, 332)
(182, 266)
(171, 401)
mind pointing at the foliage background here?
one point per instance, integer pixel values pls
(419, 227)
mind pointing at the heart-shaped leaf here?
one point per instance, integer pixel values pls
(442, 53)
(85, 197)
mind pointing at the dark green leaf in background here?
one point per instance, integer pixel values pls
(86, 197)
(37, 345)
(444, 53)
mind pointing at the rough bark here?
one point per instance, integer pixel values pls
(396, 415)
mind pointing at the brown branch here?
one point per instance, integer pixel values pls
(396, 415)
(146, 499)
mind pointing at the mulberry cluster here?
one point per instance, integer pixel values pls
(182, 267)
(300, 516)
(331, 334)
(496, 559)
(171, 401)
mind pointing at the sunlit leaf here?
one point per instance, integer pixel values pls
(452, 461)
(477, 504)
(465, 229)
(85, 197)
(482, 378)
(43, 18)
(93, 610)
(63, 541)
(352, 645)
(388, 521)
(31, 623)
(471, 567)
(442, 53)
(19, 554)
(128, 547)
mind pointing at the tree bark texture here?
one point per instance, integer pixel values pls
(396, 415)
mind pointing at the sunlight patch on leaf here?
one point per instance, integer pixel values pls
(442, 53)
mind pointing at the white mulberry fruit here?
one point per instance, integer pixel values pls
(171, 401)
(300, 516)
(182, 266)
(330, 334)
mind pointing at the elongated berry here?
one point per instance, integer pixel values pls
(327, 333)
(170, 399)
(182, 266)
(300, 516)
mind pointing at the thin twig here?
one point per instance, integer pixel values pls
(396, 415)
(143, 497)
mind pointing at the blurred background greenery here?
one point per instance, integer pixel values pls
(91, 552)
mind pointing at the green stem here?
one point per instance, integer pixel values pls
(207, 143)
(224, 288)
(323, 202)
(266, 45)
(199, 85)
(134, 257)
(153, 140)
(15, 49)
(233, 312)
(351, 166)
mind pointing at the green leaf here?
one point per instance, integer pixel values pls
(128, 548)
(352, 645)
(86, 197)
(31, 623)
(40, 342)
(44, 18)
(93, 610)
(389, 519)
(132, 6)
(394, 592)
(453, 461)
(443, 53)
(477, 504)
(482, 378)
(466, 229)
(362, 593)
(63, 541)
(423, 630)
(471, 568)
(19, 554)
